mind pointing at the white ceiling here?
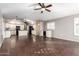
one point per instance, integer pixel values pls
(25, 10)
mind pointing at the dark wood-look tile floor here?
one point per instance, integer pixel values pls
(38, 46)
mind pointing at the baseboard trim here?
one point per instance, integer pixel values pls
(71, 40)
(66, 39)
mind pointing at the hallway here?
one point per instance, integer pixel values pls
(38, 46)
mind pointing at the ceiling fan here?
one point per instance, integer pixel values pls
(43, 7)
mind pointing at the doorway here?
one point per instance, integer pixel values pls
(17, 30)
(30, 30)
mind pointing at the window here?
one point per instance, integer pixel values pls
(76, 26)
(51, 26)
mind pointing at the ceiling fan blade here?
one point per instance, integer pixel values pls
(37, 9)
(41, 11)
(43, 5)
(40, 5)
(48, 6)
(48, 10)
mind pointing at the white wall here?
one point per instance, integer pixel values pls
(11, 24)
(2, 33)
(64, 29)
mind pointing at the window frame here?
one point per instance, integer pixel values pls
(75, 26)
(52, 26)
